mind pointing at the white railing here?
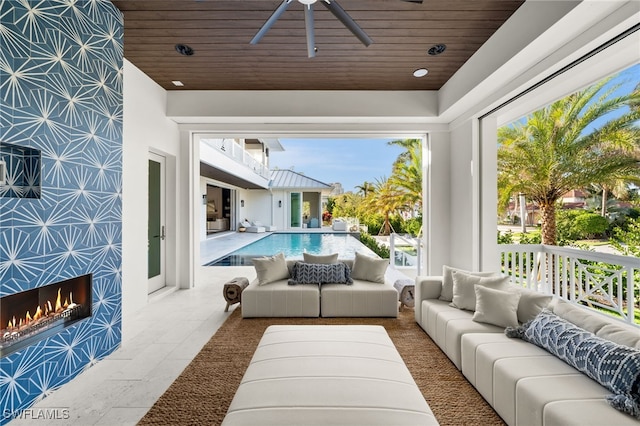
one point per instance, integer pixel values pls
(255, 165)
(234, 150)
(406, 252)
(601, 281)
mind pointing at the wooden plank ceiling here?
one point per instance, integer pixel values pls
(219, 32)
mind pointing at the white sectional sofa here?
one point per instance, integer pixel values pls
(524, 383)
(276, 296)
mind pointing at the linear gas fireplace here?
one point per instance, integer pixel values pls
(32, 315)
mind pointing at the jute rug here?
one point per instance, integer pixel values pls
(203, 392)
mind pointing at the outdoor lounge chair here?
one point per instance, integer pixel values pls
(268, 228)
(339, 225)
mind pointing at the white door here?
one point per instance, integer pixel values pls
(157, 227)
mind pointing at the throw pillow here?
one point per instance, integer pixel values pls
(316, 258)
(446, 293)
(531, 303)
(464, 295)
(270, 269)
(579, 316)
(369, 269)
(614, 366)
(621, 334)
(320, 273)
(496, 307)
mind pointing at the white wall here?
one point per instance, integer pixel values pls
(461, 208)
(438, 225)
(257, 206)
(145, 128)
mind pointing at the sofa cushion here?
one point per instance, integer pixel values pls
(531, 303)
(271, 269)
(614, 366)
(579, 316)
(369, 268)
(447, 280)
(621, 334)
(497, 307)
(278, 299)
(320, 273)
(464, 295)
(320, 258)
(362, 299)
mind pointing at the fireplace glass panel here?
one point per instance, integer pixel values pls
(30, 316)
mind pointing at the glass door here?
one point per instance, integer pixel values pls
(296, 210)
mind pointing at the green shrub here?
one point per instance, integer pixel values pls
(505, 238)
(580, 225)
(534, 237)
(379, 249)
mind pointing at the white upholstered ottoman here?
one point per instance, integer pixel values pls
(328, 375)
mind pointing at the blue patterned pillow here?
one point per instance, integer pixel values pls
(319, 273)
(614, 366)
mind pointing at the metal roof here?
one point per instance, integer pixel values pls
(281, 179)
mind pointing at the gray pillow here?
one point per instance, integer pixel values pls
(270, 269)
(320, 273)
(446, 293)
(318, 258)
(464, 295)
(496, 307)
(531, 303)
(369, 269)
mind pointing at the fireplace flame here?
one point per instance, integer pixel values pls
(58, 304)
(38, 314)
(42, 312)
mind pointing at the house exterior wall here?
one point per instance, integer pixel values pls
(71, 110)
(146, 128)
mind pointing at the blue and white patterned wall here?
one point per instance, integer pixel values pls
(61, 65)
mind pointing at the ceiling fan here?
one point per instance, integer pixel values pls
(333, 7)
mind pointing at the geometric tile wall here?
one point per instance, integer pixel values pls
(61, 71)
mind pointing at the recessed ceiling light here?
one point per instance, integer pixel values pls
(437, 49)
(420, 72)
(183, 49)
(177, 83)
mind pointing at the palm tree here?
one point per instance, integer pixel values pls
(387, 199)
(558, 148)
(407, 172)
(365, 189)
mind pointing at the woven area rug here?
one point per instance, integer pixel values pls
(204, 390)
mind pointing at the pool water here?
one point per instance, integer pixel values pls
(293, 245)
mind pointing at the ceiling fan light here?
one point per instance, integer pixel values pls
(437, 49)
(420, 72)
(307, 2)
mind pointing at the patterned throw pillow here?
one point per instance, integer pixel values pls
(614, 366)
(320, 273)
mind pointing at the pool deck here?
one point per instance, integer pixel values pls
(220, 244)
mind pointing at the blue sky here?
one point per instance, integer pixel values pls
(348, 161)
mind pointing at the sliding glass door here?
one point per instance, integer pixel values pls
(296, 210)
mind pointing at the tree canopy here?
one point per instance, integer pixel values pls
(562, 147)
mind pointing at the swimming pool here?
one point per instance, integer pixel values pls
(293, 245)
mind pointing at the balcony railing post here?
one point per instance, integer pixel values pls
(392, 249)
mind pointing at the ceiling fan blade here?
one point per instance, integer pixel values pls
(413, 1)
(272, 20)
(347, 21)
(309, 27)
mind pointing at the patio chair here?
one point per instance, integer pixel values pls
(268, 228)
